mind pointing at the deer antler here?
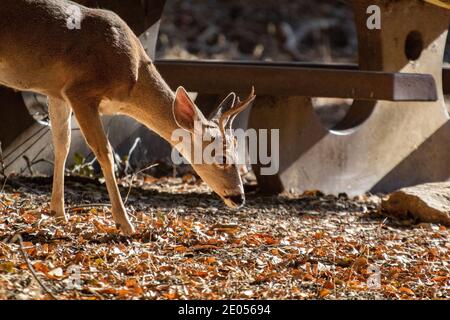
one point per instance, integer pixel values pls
(229, 115)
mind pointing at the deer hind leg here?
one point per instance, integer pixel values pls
(86, 112)
(60, 114)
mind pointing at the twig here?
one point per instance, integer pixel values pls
(92, 205)
(133, 177)
(29, 165)
(18, 238)
(4, 184)
(42, 160)
(130, 153)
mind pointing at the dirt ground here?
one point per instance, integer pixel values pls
(189, 246)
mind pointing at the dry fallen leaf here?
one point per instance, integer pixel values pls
(29, 218)
(324, 292)
(406, 290)
(280, 247)
(41, 267)
(57, 272)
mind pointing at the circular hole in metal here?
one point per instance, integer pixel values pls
(413, 45)
(331, 111)
(342, 116)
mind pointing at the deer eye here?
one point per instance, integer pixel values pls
(222, 162)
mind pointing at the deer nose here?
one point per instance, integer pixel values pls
(238, 200)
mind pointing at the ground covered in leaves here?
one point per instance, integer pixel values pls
(189, 246)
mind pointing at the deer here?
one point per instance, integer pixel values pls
(101, 68)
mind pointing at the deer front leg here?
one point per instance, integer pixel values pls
(60, 113)
(92, 129)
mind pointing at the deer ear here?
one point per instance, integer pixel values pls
(185, 112)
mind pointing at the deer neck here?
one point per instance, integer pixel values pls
(151, 103)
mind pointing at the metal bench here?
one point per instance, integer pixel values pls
(397, 132)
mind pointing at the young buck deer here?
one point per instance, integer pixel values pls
(100, 67)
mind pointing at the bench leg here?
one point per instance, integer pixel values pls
(379, 146)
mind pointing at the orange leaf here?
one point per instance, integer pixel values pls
(134, 286)
(123, 292)
(29, 248)
(180, 249)
(211, 260)
(189, 178)
(170, 296)
(391, 288)
(150, 179)
(100, 226)
(166, 268)
(267, 238)
(108, 291)
(138, 290)
(131, 283)
(296, 273)
(204, 247)
(324, 293)
(275, 252)
(406, 290)
(29, 218)
(308, 277)
(45, 249)
(40, 267)
(59, 234)
(319, 235)
(440, 279)
(228, 228)
(329, 285)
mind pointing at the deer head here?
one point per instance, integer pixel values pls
(222, 173)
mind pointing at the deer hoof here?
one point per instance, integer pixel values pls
(126, 228)
(59, 215)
